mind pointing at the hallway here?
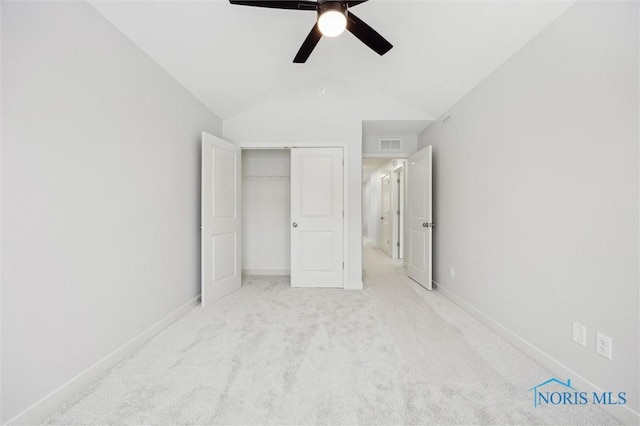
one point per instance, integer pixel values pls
(390, 354)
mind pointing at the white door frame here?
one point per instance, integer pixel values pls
(399, 204)
(345, 183)
(390, 219)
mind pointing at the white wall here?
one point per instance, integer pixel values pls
(536, 194)
(1, 200)
(100, 201)
(304, 118)
(266, 211)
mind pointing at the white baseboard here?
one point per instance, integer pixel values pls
(278, 272)
(354, 285)
(624, 414)
(41, 409)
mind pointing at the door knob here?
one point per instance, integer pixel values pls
(295, 225)
(424, 225)
(382, 218)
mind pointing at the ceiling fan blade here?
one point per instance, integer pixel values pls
(367, 35)
(351, 3)
(282, 4)
(308, 45)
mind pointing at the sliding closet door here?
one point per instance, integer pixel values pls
(317, 223)
(221, 221)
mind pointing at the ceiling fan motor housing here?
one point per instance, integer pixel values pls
(331, 5)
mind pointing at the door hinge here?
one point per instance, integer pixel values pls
(342, 213)
(398, 243)
(398, 181)
(342, 265)
(398, 212)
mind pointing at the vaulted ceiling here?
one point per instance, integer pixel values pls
(235, 58)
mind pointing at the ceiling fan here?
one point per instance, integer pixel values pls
(333, 18)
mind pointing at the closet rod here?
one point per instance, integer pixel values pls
(267, 176)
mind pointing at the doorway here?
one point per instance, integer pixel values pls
(383, 192)
(292, 215)
(397, 211)
(266, 212)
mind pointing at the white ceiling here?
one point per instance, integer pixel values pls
(392, 128)
(234, 58)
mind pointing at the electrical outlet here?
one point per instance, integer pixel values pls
(604, 345)
(452, 272)
(579, 334)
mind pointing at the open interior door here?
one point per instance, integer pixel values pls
(317, 217)
(221, 221)
(386, 218)
(420, 218)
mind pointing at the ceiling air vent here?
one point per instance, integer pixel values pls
(390, 144)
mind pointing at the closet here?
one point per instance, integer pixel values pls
(271, 212)
(266, 211)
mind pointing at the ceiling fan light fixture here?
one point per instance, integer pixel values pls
(332, 19)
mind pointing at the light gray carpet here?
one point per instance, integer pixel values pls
(269, 354)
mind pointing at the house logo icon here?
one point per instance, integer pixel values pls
(557, 392)
(539, 396)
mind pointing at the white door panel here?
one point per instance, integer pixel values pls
(398, 213)
(316, 215)
(321, 245)
(386, 218)
(316, 189)
(221, 230)
(418, 243)
(420, 219)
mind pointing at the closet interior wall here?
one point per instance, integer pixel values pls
(266, 211)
